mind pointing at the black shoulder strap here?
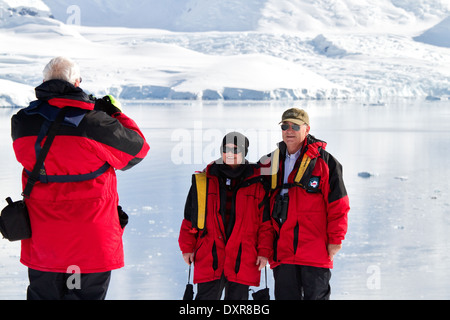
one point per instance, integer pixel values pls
(43, 154)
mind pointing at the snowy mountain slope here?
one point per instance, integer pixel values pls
(346, 49)
(259, 15)
(410, 17)
(439, 35)
(174, 15)
(30, 7)
(390, 16)
(15, 12)
(143, 69)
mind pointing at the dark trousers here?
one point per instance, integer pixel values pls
(213, 290)
(59, 286)
(295, 282)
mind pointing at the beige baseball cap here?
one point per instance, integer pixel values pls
(294, 115)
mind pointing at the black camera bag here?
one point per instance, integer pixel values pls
(15, 221)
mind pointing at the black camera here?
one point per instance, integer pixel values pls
(280, 208)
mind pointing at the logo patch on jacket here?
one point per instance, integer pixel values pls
(313, 184)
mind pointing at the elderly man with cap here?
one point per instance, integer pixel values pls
(309, 207)
(226, 231)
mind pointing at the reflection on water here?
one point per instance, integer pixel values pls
(395, 246)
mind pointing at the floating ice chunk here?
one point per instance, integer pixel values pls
(365, 174)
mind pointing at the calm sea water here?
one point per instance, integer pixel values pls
(395, 160)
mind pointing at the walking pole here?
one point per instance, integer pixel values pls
(189, 292)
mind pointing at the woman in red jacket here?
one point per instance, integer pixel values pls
(226, 231)
(73, 207)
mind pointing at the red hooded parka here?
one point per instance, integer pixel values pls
(74, 223)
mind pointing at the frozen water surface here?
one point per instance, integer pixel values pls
(396, 243)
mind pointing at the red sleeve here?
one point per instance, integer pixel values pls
(266, 232)
(128, 122)
(187, 239)
(337, 203)
(337, 220)
(117, 140)
(131, 124)
(265, 239)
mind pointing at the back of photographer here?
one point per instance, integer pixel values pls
(74, 206)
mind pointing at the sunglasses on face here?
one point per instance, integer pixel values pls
(234, 150)
(294, 127)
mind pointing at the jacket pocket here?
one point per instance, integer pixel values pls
(123, 217)
(295, 242)
(275, 247)
(215, 263)
(238, 260)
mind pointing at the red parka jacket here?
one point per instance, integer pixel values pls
(317, 208)
(74, 223)
(231, 251)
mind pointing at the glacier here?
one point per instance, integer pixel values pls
(241, 50)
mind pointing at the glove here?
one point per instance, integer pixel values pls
(109, 105)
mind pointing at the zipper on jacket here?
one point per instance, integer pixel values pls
(215, 263)
(240, 184)
(296, 237)
(221, 211)
(238, 260)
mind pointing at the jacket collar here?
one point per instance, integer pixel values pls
(311, 146)
(247, 170)
(56, 94)
(59, 93)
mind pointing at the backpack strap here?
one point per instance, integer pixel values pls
(34, 176)
(44, 178)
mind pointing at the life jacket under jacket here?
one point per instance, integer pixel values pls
(200, 181)
(303, 171)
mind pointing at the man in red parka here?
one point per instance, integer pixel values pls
(73, 208)
(309, 206)
(226, 231)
